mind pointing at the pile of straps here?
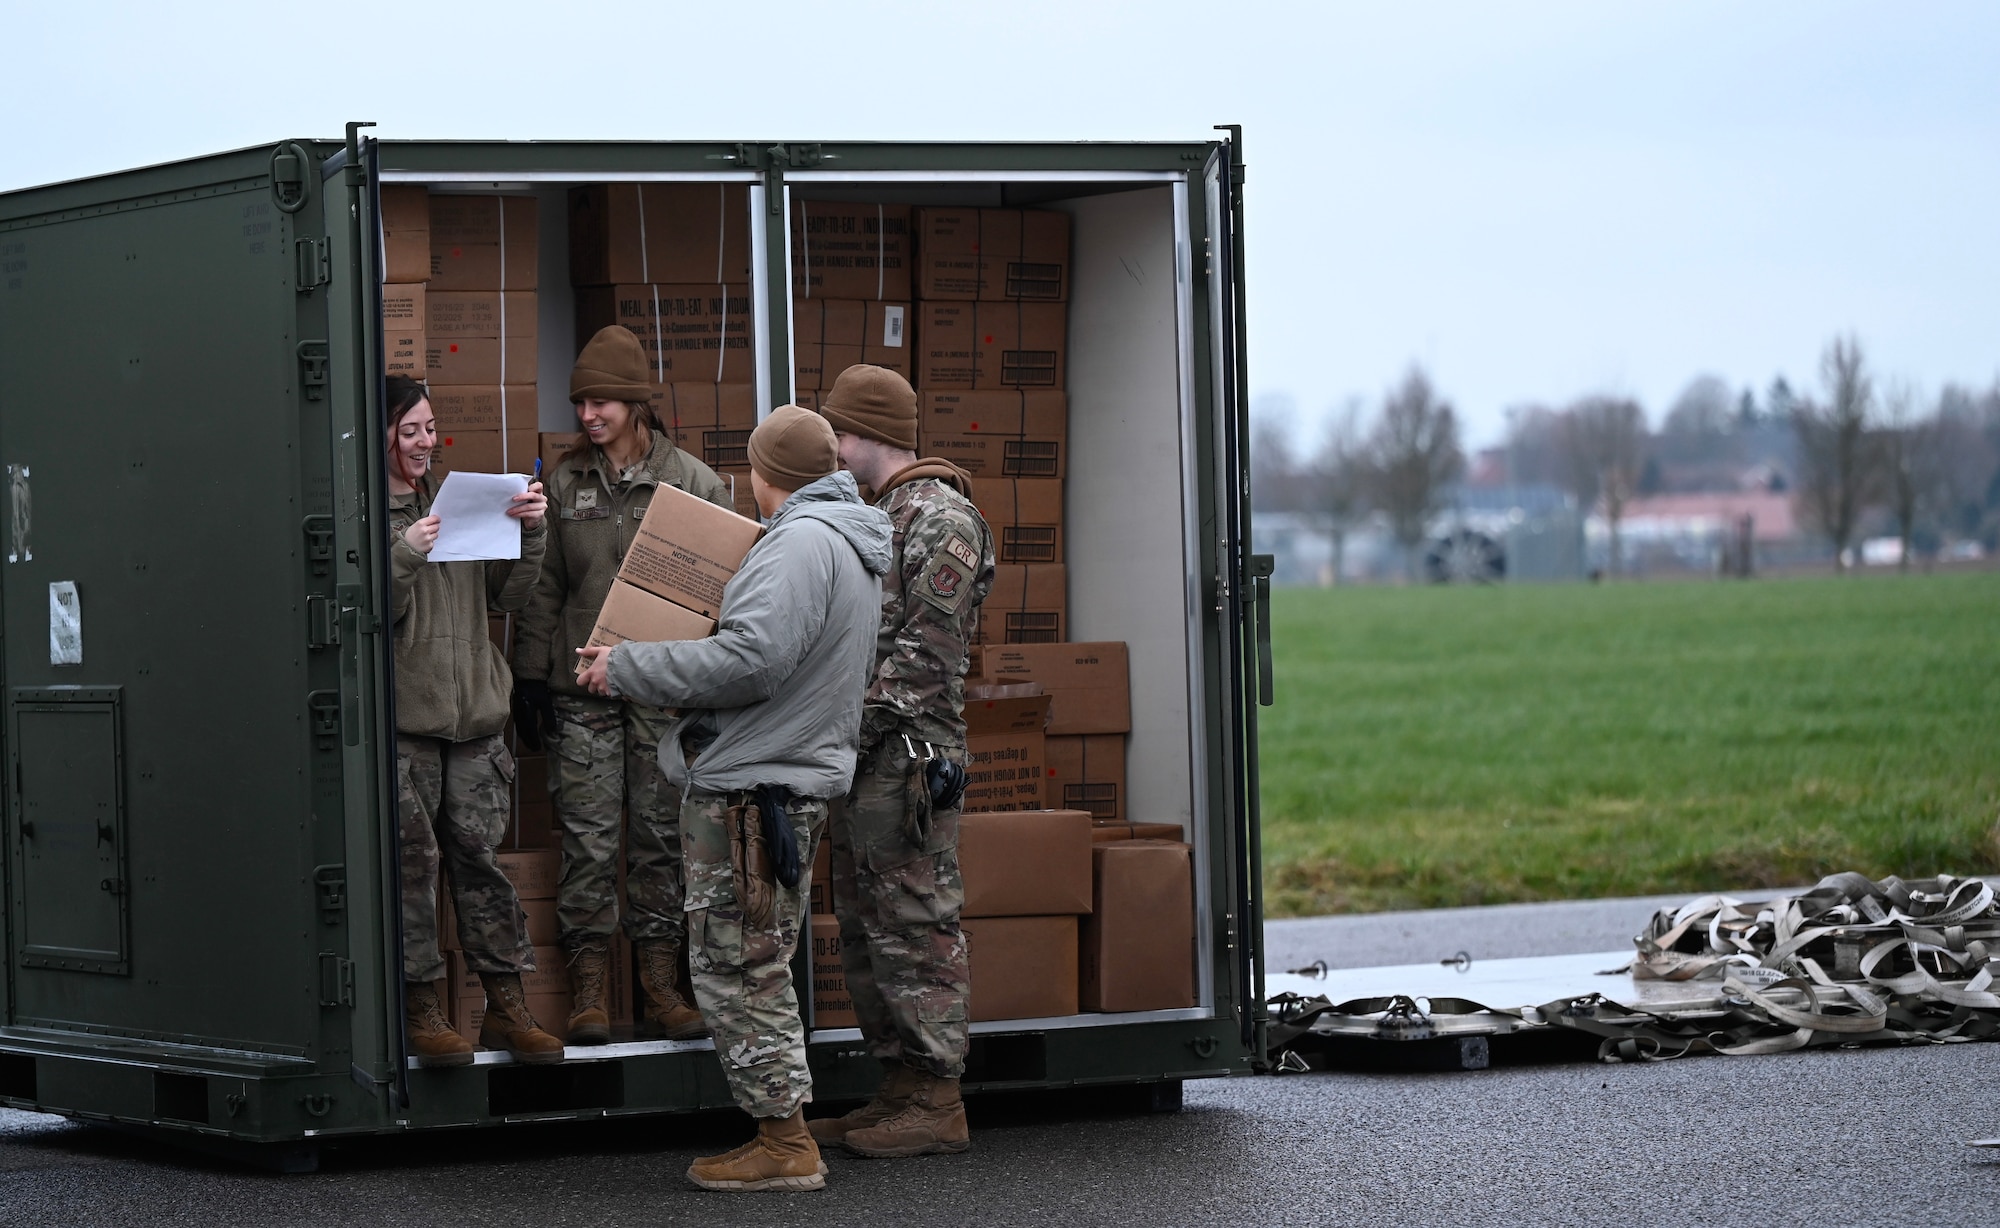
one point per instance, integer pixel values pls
(1853, 961)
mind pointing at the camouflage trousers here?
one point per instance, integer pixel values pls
(609, 791)
(453, 804)
(742, 973)
(898, 902)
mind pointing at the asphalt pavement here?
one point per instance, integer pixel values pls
(1818, 1137)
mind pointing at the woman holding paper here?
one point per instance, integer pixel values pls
(604, 754)
(453, 771)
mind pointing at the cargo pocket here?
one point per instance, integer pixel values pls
(715, 942)
(882, 804)
(503, 762)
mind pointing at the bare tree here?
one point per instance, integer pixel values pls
(1910, 473)
(1413, 454)
(1834, 473)
(1339, 477)
(1274, 468)
(1601, 442)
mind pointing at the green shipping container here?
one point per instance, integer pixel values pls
(201, 926)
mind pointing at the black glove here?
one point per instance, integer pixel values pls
(534, 714)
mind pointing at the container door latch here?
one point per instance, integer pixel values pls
(313, 357)
(331, 882)
(336, 980)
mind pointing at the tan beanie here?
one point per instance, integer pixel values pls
(874, 403)
(612, 367)
(793, 448)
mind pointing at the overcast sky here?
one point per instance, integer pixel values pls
(1534, 200)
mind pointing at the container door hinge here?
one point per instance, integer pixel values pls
(322, 621)
(313, 358)
(801, 156)
(315, 264)
(319, 543)
(331, 882)
(336, 980)
(325, 709)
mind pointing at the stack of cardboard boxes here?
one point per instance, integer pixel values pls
(480, 331)
(851, 282)
(406, 255)
(671, 262)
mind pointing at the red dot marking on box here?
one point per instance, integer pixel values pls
(458, 251)
(973, 427)
(989, 338)
(454, 347)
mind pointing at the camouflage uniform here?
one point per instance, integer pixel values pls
(604, 775)
(454, 802)
(742, 974)
(898, 901)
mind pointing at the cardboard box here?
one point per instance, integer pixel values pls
(992, 254)
(480, 360)
(687, 549)
(485, 407)
(1026, 516)
(830, 335)
(992, 345)
(484, 242)
(1004, 748)
(832, 1007)
(456, 314)
(1022, 967)
(406, 232)
(658, 232)
(1138, 942)
(710, 421)
(691, 333)
(633, 614)
(807, 398)
(822, 878)
(1088, 684)
(737, 478)
(1027, 863)
(1087, 773)
(534, 875)
(552, 447)
(484, 452)
(843, 250)
(1102, 830)
(1029, 604)
(996, 434)
(404, 342)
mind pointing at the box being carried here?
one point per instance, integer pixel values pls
(850, 251)
(687, 549)
(996, 434)
(993, 254)
(635, 615)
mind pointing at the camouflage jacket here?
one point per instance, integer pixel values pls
(594, 513)
(942, 571)
(451, 682)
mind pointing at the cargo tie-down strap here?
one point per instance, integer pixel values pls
(646, 277)
(1850, 962)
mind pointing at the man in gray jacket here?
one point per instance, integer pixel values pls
(770, 732)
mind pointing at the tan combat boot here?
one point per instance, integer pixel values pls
(432, 1039)
(509, 1025)
(897, 1084)
(659, 976)
(932, 1123)
(783, 1156)
(589, 971)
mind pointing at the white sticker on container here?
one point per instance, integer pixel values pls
(65, 624)
(892, 327)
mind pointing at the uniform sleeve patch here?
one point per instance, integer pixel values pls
(945, 581)
(964, 551)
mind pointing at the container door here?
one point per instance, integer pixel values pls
(1244, 581)
(360, 714)
(168, 520)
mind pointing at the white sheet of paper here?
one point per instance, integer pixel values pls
(472, 517)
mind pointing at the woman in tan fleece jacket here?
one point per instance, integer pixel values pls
(453, 770)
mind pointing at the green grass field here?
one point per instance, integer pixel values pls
(1446, 746)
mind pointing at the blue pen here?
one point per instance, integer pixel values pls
(538, 468)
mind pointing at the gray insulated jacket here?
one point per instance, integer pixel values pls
(788, 665)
